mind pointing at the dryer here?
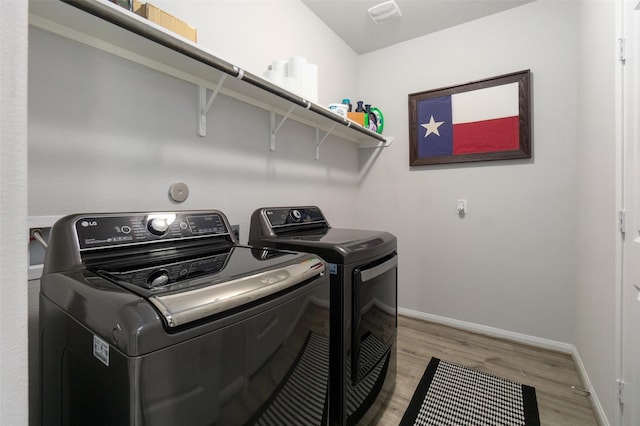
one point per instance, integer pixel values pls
(363, 273)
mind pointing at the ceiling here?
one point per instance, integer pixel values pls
(350, 21)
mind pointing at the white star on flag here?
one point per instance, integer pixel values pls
(432, 126)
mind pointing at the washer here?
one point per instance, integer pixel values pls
(363, 273)
(163, 319)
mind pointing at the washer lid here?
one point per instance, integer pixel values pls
(210, 281)
(183, 307)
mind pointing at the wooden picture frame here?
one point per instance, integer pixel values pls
(478, 121)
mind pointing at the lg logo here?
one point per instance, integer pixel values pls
(87, 223)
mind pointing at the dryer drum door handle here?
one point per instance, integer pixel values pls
(376, 271)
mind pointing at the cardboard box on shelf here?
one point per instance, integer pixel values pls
(162, 18)
(359, 117)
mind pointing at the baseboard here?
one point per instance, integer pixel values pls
(566, 348)
(593, 398)
(491, 331)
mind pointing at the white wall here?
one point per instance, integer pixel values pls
(598, 202)
(13, 209)
(510, 263)
(252, 33)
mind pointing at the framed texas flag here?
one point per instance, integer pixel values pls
(479, 121)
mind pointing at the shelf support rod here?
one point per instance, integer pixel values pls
(274, 128)
(376, 144)
(319, 142)
(205, 104)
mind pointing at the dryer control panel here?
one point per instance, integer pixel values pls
(292, 215)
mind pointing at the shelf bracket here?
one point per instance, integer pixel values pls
(204, 104)
(274, 128)
(319, 142)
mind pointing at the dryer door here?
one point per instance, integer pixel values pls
(374, 314)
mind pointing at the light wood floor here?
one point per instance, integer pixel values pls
(551, 373)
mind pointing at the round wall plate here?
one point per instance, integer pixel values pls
(179, 192)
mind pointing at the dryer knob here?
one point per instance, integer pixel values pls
(157, 226)
(296, 215)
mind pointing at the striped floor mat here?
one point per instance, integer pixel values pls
(450, 394)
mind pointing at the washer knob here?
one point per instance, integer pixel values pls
(158, 226)
(158, 278)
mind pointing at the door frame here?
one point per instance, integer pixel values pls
(629, 189)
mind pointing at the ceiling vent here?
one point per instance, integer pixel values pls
(384, 12)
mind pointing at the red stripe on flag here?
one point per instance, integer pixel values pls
(500, 134)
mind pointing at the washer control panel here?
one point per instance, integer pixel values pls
(116, 230)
